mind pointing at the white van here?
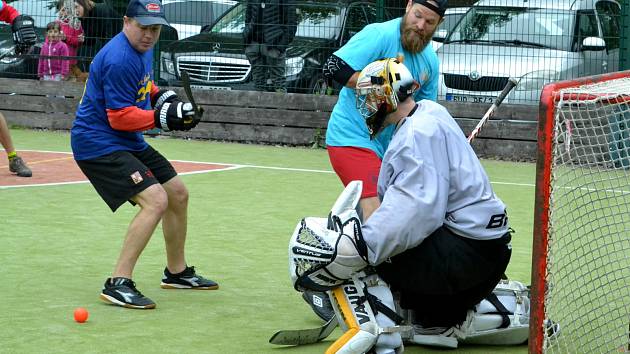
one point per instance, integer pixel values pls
(536, 41)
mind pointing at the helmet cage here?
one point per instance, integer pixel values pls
(379, 89)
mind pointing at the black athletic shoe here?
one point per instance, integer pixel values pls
(123, 292)
(320, 303)
(188, 279)
(17, 165)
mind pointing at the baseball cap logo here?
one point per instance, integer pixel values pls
(153, 7)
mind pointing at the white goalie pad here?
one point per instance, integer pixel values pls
(345, 206)
(493, 326)
(365, 327)
(323, 253)
(311, 248)
(502, 318)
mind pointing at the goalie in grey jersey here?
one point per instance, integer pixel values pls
(440, 240)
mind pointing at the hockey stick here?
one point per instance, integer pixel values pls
(512, 82)
(186, 84)
(304, 336)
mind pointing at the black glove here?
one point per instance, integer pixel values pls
(24, 35)
(175, 116)
(164, 96)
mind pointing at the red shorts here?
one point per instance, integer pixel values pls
(355, 163)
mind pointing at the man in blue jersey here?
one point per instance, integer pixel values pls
(119, 103)
(440, 237)
(355, 153)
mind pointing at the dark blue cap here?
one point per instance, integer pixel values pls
(147, 12)
(439, 9)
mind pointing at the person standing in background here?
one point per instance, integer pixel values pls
(52, 64)
(270, 26)
(100, 23)
(71, 34)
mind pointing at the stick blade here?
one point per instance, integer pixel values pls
(303, 336)
(186, 83)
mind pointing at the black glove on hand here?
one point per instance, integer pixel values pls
(162, 97)
(175, 116)
(23, 33)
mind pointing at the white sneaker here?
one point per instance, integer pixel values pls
(435, 336)
(445, 337)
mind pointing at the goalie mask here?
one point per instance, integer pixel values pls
(380, 87)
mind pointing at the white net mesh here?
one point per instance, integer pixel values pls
(588, 262)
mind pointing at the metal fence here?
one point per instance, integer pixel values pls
(479, 46)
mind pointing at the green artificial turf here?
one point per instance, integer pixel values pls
(59, 244)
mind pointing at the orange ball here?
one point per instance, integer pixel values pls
(80, 314)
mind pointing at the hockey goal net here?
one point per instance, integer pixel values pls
(581, 251)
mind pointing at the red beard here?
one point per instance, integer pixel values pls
(413, 41)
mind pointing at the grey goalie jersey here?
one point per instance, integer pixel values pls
(430, 176)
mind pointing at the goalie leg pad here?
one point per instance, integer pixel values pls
(390, 340)
(502, 318)
(364, 307)
(356, 319)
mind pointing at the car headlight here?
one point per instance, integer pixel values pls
(294, 66)
(7, 55)
(168, 65)
(535, 80)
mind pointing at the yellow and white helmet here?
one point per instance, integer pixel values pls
(380, 87)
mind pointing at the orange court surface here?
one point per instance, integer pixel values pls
(50, 168)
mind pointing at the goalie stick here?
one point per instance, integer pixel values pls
(512, 82)
(186, 84)
(304, 336)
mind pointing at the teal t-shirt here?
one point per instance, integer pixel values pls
(346, 126)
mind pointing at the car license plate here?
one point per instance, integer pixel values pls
(204, 87)
(469, 98)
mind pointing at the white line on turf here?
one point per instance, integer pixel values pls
(229, 166)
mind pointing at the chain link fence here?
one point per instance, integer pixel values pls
(480, 44)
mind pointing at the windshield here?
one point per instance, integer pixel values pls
(540, 27)
(314, 21)
(195, 12)
(450, 20)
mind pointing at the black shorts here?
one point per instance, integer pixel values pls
(446, 275)
(119, 176)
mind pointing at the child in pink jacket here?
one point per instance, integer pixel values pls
(71, 31)
(51, 67)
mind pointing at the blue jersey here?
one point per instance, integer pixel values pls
(346, 126)
(119, 77)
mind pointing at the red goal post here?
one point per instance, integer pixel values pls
(581, 244)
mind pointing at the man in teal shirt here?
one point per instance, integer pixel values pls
(355, 154)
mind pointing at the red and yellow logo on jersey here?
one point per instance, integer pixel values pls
(145, 88)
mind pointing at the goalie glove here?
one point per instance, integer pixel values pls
(321, 259)
(24, 35)
(175, 116)
(164, 96)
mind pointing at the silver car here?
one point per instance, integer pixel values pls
(451, 17)
(535, 41)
